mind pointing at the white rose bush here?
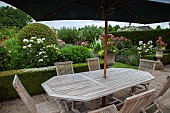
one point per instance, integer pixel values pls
(36, 52)
(145, 48)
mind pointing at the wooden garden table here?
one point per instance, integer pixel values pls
(88, 86)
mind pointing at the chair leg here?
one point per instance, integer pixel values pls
(150, 106)
(133, 90)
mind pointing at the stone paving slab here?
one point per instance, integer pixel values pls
(17, 106)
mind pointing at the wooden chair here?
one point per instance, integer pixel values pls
(63, 68)
(148, 66)
(153, 101)
(132, 104)
(93, 64)
(45, 107)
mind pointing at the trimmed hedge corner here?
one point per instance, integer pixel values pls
(31, 79)
(165, 60)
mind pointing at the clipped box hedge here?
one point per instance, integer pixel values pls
(165, 60)
(31, 79)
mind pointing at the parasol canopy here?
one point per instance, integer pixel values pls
(133, 11)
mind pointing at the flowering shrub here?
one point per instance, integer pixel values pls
(144, 48)
(160, 44)
(122, 42)
(115, 43)
(81, 43)
(37, 52)
(110, 43)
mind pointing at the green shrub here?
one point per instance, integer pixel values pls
(128, 55)
(77, 54)
(10, 56)
(36, 30)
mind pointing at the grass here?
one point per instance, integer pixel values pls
(121, 65)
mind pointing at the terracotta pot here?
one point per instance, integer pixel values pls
(110, 59)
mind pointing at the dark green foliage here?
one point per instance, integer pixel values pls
(8, 33)
(129, 56)
(10, 56)
(69, 35)
(37, 30)
(10, 16)
(77, 54)
(136, 36)
(165, 60)
(31, 81)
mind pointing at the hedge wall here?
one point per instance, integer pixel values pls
(165, 60)
(31, 79)
(136, 36)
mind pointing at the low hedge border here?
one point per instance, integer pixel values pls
(31, 79)
(165, 60)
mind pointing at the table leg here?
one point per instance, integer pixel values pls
(104, 101)
(93, 105)
(133, 90)
(74, 105)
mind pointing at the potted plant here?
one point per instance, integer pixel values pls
(111, 50)
(161, 46)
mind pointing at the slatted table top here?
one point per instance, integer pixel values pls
(91, 85)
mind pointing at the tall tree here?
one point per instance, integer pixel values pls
(10, 16)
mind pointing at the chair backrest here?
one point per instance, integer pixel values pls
(93, 64)
(26, 98)
(108, 109)
(165, 87)
(134, 104)
(147, 65)
(63, 68)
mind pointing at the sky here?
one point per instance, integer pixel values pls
(81, 23)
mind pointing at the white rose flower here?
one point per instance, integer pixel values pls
(33, 37)
(31, 40)
(40, 53)
(40, 60)
(140, 42)
(25, 40)
(43, 38)
(29, 45)
(150, 46)
(139, 48)
(24, 47)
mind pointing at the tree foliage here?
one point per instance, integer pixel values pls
(68, 35)
(10, 16)
(90, 33)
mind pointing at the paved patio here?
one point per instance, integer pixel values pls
(17, 106)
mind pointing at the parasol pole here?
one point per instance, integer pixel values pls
(105, 42)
